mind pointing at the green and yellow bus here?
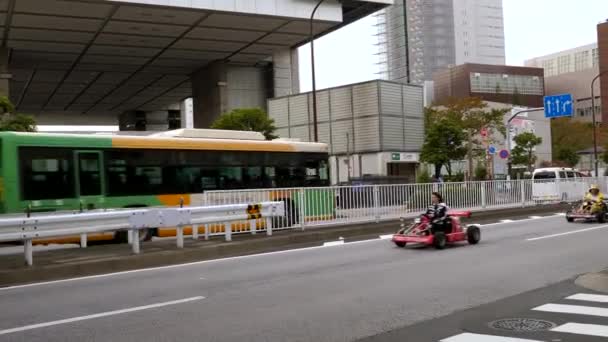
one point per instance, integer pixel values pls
(55, 172)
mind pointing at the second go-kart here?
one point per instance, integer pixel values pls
(421, 232)
(583, 211)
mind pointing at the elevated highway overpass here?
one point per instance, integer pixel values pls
(86, 61)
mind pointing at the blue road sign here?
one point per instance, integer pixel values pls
(504, 154)
(558, 106)
(492, 150)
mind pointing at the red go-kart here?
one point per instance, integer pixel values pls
(421, 232)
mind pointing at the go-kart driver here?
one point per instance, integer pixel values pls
(594, 198)
(437, 213)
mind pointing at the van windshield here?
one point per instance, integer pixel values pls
(544, 175)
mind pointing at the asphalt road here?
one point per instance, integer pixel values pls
(339, 293)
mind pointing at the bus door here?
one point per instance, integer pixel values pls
(89, 178)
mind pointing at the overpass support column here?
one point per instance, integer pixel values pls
(221, 87)
(5, 75)
(286, 77)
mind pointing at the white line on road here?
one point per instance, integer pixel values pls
(506, 221)
(573, 309)
(566, 233)
(583, 329)
(535, 217)
(333, 243)
(468, 337)
(99, 315)
(386, 237)
(503, 222)
(589, 297)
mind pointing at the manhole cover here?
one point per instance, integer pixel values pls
(522, 324)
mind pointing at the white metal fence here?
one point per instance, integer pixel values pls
(306, 207)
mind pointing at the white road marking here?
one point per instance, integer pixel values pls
(567, 233)
(583, 329)
(386, 237)
(560, 214)
(468, 337)
(573, 309)
(99, 315)
(535, 217)
(333, 243)
(506, 221)
(589, 297)
(503, 222)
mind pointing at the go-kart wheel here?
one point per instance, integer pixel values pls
(400, 244)
(601, 217)
(473, 235)
(569, 219)
(439, 240)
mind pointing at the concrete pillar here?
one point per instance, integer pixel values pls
(5, 75)
(221, 87)
(285, 73)
(186, 113)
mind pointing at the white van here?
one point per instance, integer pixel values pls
(558, 184)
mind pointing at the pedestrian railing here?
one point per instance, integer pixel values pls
(314, 207)
(54, 225)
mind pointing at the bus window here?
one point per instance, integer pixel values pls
(46, 173)
(544, 175)
(89, 174)
(570, 174)
(562, 175)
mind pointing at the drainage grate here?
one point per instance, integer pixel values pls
(522, 324)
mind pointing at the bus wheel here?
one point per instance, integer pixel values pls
(145, 235)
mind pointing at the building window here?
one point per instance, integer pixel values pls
(563, 64)
(506, 84)
(581, 61)
(549, 66)
(595, 56)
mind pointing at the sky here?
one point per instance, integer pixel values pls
(532, 28)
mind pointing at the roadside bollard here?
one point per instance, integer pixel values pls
(228, 230)
(83, 240)
(206, 231)
(195, 232)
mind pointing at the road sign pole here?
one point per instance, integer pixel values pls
(510, 160)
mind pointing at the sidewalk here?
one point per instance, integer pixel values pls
(67, 263)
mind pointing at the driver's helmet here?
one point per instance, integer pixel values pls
(594, 188)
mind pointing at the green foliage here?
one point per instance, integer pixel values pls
(568, 156)
(456, 178)
(11, 121)
(423, 176)
(470, 116)
(442, 144)
(523, 153)
(481, 173)
(247, 119)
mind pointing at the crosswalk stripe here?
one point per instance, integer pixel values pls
(589, 297)
(468, 337)
(583, 329)
(573, 309)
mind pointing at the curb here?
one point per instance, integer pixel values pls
(214, 249)
(594, 281)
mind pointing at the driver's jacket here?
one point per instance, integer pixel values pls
(437, 211)
(596, 199)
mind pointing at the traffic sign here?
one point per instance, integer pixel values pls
(558, 106)
(492, 150)
(503, 154)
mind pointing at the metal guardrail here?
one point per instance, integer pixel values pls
(45, 226)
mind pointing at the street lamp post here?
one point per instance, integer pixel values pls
(510, 161)
(312, 64)
(595, 158)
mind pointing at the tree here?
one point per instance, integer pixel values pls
(247, 119)
(11, 121)
(443, 143)
(472, 116)
(523, 153)
(568, 156)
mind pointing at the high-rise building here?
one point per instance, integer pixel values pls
(418, 38)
